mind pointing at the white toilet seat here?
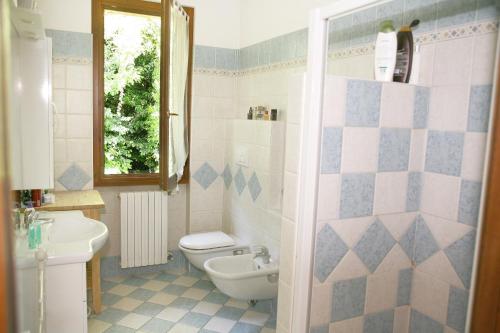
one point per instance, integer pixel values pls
(206, 241)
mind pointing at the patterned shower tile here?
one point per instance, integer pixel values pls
(331, 150)
(455, 12)
(468, 208)
(457, 309)
(205, 175)
(394, 149)
(227, 176)
(420, 323)
(407, 241)
(240, 181)
(254, 186)
(461, 256)
(380, 322)
(374, 245)
(330, 249)
(363, 103)
(348, 299)
(74, 178)
(356, 197)
(444, 152)
(404, 287)
(479, 108)
(414, 191)
(421, 107)
(425, 243)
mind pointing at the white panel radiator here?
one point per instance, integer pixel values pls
(144, 228)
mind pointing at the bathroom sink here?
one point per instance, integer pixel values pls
(244, 277)
(70, 237)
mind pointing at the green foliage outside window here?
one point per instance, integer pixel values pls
(132, 102)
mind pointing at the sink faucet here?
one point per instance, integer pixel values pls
(262, 252)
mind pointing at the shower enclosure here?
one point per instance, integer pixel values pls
(391, 174)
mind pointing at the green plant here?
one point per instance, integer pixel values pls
(132, 103)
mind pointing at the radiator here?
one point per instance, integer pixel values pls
(144, 228)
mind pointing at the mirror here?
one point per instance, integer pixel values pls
(181, 25)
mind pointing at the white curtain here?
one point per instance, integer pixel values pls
(178, 131)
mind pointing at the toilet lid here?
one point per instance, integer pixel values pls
(206, 240)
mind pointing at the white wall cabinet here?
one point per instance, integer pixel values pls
(31, 116)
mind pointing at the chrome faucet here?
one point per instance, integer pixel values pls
(262, 252)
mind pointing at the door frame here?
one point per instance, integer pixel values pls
(484, 303)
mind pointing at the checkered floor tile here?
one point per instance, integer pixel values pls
(166, 302)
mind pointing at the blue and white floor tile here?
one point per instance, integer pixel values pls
(184, 303)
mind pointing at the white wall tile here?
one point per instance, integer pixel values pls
(440, 194)
(59, 99)
(430, 296)
(80, 150)
(401, 319)
(359, 149)
(60, 126)
(397, 103)
(426, 64)
(334, 101)
(484, 59)
(287, 252)
(321, 307)
(328, 197)
(354, 325)
(292, 148)
(79, 101)
(390, 192)
(290, 196)
(381, 291)
(58, 76)
(60, 150)
(449, 108)
(79, 126)
(453, 62)
(79, 76)
(284, 305)
(473, 159)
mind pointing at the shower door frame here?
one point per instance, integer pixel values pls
(310, 150)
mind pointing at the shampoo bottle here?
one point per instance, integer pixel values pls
(385, 52)
(404, 58)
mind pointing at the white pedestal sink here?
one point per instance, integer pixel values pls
(70, 241)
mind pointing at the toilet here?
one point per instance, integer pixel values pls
(200, 247)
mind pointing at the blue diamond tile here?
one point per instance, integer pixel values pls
(407, 241)
(380, 322)
(414, 191)
(205, 175)
(239, 181)
(470, 197)
(254, 186)
(330, 249)
(404, 286)
(331, 150)
(457, 309)
(394, 149)
(444, 152)
(479, 108)
(421, 107)
(74, 178)
(348, 299)
(363, 103)
(425, 244)
(420, 323)
(356, 197)
(374, 245)
(227, 176)
(461, 255)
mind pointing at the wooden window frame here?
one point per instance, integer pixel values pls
(144, 8)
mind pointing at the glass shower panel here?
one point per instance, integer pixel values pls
(401, 172)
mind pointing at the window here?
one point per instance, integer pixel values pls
(130, 119)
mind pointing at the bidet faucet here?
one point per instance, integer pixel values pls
(262, 252)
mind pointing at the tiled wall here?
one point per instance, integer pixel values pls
(252, 196)
(398, 204)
